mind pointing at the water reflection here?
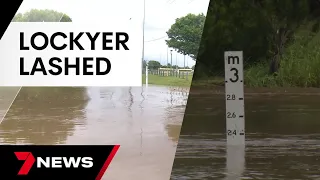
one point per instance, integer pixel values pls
(145, 124)
(282, 134)
(174, 121)
(235, 164)
(39, 113)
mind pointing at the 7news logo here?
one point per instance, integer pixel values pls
(87, 162)
(51, 162)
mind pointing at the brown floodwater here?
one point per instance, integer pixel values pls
(7, 94)
(282, 130)
(145, 122)
(282, 137)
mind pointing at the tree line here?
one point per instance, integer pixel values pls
(276, 37)
(41, 15)
(154, 65)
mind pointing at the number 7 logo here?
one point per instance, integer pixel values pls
(28, 159)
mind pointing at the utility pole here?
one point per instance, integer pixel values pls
(171, 57)
(176, 64)
(187, 63)
(144, 19)
(171, 63)
(184, 61)
(167, 56)
(143, 23)
(176, 60)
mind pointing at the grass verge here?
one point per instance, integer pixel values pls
(300, 65)
(167, 80)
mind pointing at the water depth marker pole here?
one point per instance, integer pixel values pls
(234, 98)
(234, 114)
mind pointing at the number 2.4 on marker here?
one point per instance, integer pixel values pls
(234, 132)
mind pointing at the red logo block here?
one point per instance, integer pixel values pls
(29, 161)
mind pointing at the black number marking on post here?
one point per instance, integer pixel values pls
(236, 74)
(231, 97)
(231, 115)
(232, 132)
(233, 60)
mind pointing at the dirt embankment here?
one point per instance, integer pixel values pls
(257, 91)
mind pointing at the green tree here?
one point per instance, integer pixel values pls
(259, 28)
(283, 17)
(36, 15)
(65, 18)
(185, 34)
(154, 64)
(175, 67)
(231, 25)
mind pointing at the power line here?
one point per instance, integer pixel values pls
(169, 2)
(190, 1)
(156, 39)
(172, 2)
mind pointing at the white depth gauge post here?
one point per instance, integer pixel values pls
(234, 98)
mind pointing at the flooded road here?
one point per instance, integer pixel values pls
(282, 134)
(146, 123)
(7, 94)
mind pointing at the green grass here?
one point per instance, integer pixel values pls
(208, 82)
(300, 65)
(167, 80)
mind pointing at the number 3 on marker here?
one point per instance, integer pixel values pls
(236, 74)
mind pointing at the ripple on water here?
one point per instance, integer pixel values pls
(271, 158)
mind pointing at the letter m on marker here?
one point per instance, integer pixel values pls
(28, 159)
(233, 59)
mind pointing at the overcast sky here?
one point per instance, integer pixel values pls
(160, 15)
